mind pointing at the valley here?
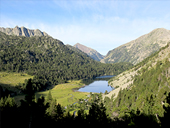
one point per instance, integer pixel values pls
(40, 74)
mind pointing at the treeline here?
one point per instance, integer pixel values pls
(50, 61)
(41, 112)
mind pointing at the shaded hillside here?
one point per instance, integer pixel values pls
(49, 60)
(89, 51)
(22, 31)
(139, 49)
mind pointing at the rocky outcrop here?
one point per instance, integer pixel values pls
(22, 31)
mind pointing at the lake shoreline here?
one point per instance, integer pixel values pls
(76, 89)
(96, 85)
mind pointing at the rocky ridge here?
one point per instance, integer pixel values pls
(89, 51)
(22, 31)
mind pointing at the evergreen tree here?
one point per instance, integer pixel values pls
(49, 97)
(165, 119)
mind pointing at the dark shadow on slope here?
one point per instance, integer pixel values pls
(7, 89)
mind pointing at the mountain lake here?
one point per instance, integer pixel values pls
(97, 85)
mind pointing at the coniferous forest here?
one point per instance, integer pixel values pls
(145, 103)
(50, 61)
(39, 112)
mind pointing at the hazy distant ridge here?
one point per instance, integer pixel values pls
(22, 31)
(89, 51)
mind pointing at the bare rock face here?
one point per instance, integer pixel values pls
(137, 50)
(89, 51)
(22, 31)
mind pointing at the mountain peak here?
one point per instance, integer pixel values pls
(137, 50)
(83, 48)
(89, 51)
(22, 31)
(158, 30)
(16, 26)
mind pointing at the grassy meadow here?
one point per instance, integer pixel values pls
(63, 93)
(10, 80)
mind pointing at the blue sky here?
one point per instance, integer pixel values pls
(100, 24)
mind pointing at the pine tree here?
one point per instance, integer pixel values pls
(165, 119)
(30, 94)
(59, 112)
(51, 109)
(1, 102)
(49, 97)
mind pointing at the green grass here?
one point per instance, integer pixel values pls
(63, 93)
(10, 80)
(13, 78)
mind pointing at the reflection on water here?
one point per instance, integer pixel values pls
(104, 77)
(89, 81)
(99, 84)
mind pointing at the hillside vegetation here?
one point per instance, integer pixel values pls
(40, 112)
(137, 50)
(145, 87)
(50, 61)
(10, 81)
(63, 93)
(13, 78)
(141, 97)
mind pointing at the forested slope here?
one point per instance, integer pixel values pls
(49, 60)
(149, 87)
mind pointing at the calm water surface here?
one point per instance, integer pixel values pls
(99, 84)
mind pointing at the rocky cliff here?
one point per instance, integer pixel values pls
(22, 31)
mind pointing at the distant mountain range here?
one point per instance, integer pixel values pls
(137, 50)
(89, 51)
(22, 31)
(134, 51)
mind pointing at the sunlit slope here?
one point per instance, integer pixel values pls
(126, 79)
(137, 50)
(89, 51)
